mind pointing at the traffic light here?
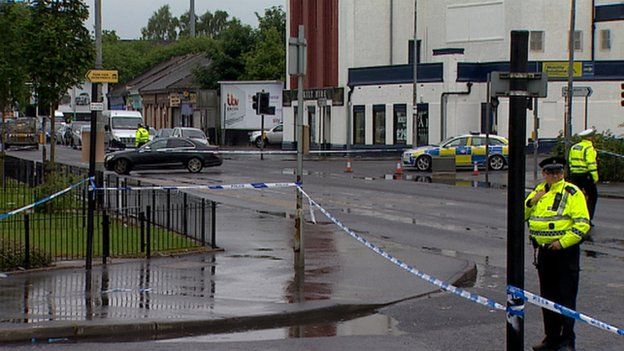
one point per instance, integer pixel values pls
(254, 105)
(263, 103)
(622, 94)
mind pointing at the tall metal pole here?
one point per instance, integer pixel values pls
(569, 97)
(93, 136)
(535, 137)
(516, 180)
(586, 109)
(192, 18)
(415, 138)
(299, 242)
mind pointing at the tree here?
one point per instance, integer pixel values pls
(227, 55)
(268, 59)
(59, 51)
(274, 17)
(211, 24)
(184, 24)
(161, 26)
(13, 70)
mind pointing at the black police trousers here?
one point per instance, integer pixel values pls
(558, 272)
(586, 183)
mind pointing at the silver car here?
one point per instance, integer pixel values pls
(191, 133)
(273, 136)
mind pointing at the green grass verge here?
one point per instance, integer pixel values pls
(65, 237)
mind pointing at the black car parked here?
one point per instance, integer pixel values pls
(165, 153)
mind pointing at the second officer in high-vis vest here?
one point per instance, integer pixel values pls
(584, 169)
(558, 222)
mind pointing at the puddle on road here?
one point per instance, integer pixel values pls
(376, 324)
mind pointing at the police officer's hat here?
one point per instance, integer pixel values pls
(587, 132)
(553, 163)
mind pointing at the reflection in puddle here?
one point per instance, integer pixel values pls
(376, 324)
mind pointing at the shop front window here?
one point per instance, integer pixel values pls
(400, 124)
(359, 125)
(379, 124)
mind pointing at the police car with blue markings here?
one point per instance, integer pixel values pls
(467, 149)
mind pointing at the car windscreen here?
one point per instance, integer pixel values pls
(193, 133)
(126, 122)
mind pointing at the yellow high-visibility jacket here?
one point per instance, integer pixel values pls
(582, 159)
(560, 214)
(141, 136)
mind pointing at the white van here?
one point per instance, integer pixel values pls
(121, 127)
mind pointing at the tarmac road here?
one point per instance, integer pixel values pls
(465, 222)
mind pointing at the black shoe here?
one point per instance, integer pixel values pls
(566, 348)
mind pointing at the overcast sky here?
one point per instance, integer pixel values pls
(127, 17)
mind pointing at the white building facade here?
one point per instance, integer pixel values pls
(359, 86)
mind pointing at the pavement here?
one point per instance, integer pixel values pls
(251, 283)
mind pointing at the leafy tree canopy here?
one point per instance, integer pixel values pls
(227, 55)
(60, 49)
(161, 26)
(14, 18)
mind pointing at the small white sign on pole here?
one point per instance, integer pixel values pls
(97, 106)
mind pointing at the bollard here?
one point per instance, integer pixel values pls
(475, 169)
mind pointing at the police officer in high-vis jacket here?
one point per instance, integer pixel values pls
(558, 220)
(584, 169)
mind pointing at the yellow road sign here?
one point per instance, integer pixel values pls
(559, 69)
(102, 76)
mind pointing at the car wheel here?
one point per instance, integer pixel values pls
(122, 166)
(7, 146)
(194, 165)
(259, 142)
(496, 162)
(423, 163)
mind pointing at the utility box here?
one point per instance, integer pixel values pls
(306, 139)
(86, 146)
(443, 164)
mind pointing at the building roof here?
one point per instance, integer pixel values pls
(163, 75)
(181, 72)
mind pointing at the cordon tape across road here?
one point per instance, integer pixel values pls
(562, 310)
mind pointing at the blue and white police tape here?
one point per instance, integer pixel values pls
(426, 277)
(293, 152)
(201, 187)
(562, 310)
(43, 200)
(610, 153)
